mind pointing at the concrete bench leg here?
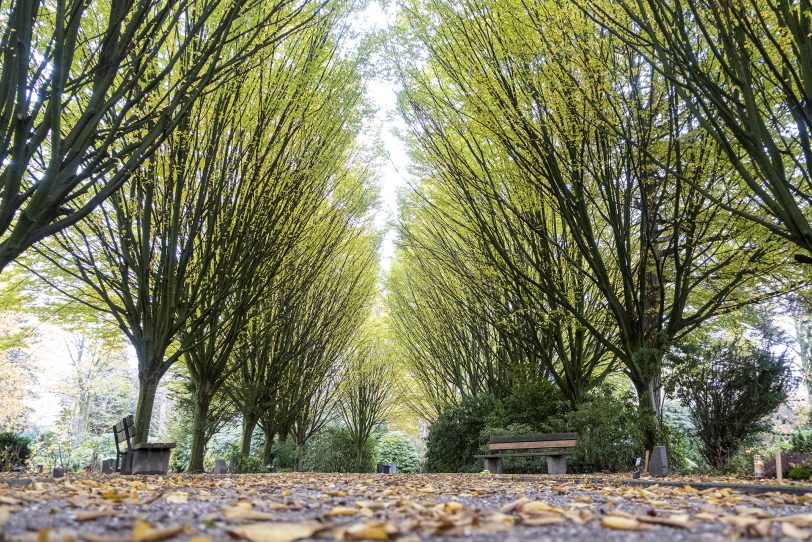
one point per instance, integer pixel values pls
(556, 464)
(493, 465)
(150, 461)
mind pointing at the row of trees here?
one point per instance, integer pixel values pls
(597, 182)
(205, 155)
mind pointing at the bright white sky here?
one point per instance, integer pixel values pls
(393, 168)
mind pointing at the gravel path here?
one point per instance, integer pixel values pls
(411, 507)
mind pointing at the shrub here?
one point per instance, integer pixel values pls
(801, 442)
(730, 389)
(15, 450)
(530, 403)
(608, 432)
(396, 447)
(454, 436)
(333, 450)
(240, 463)
(284, 455)
(799, 473)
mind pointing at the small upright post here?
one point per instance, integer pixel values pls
(779, 468)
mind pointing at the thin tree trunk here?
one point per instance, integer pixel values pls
(267, 452)
(202, 404)
(249, 423)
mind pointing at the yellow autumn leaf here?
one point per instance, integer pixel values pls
(623, 524)
(180, 497)
(144, 532)
(536, 507)
(369, 531)
(451, 506)
(276, 532)
(244, 511)
(796, 533)
(342, 511)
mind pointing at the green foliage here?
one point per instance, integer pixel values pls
(454, 436)
(333, 450)
(396, 447)
(801, 442)
(608, 433)
(730, 389)
(15, 451)
(241, 463)
(284, 455)
(530, 403)
(799, 473)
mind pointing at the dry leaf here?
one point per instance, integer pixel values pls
(143, 531)
(342, 511)
(678, 520)
(536, 507)
(761, 528)
(181, 497)
(95, 514)
(538, 520)
(244, 511)
(791, 531)
(276, 532)
(451, 506)
(369, 531)
(623, 524)
(510, 507)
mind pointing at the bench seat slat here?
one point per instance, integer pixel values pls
(535, 437)
(532, 444)
(536, 454)
(153, 446)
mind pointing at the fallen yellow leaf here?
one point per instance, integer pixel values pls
(623, 524)
(276, 532)
(342, 511)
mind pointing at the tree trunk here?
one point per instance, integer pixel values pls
(249, 423)
(147, 387)
(297, 462)
(649, 402)
(267, 452)
(202, 403)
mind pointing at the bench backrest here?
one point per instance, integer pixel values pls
(532, 442)
(121, 431)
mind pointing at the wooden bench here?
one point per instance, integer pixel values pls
(141, 458)
(555, 446)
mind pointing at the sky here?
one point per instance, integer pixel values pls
(392, 171)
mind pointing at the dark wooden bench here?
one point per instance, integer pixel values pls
(140, 458)
(555, 446)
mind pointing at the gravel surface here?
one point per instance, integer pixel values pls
(58, 505)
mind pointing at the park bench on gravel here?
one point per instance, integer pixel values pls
(141, 458)
(555, 446)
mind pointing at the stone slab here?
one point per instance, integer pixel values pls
(556, 464)
(221, 467)
(148, 461)
(108, 466)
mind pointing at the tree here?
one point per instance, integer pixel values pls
(90, 89)
(730, 389)
(15, 372)
(565, 117)
(743, 69)
(164, 256)
(365, 398)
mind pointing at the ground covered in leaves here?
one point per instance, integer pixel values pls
(304, 506)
